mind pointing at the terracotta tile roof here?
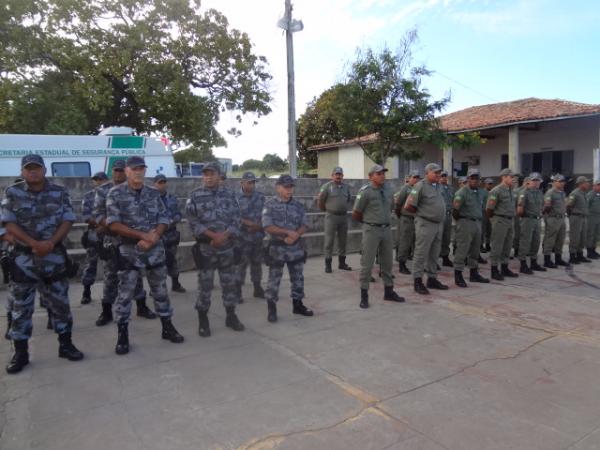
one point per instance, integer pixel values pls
(496, 115)
(512, 113)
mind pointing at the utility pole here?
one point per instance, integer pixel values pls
(291, 26)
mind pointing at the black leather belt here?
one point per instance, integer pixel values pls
(380, 225)
(337, 213)
(533, 217)
(500, 215)
(470, 218)
(577, 214)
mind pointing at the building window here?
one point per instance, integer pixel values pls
(71, 169)
(546, 163)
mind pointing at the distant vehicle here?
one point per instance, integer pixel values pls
(194, 169)
(82, 156)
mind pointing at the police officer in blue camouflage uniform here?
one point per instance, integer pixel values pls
(284, 220)
(90, 238)
(38, 214)
(136, 214)
(251, 236)
(106, 245)
(213, 214)
(171, 237)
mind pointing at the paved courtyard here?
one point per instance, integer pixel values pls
(510, 365)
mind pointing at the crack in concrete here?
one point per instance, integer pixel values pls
(370, 403)
(582, 438)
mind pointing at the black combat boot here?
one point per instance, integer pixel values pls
(403, 268)
(391, 296)
(232, 320)
(459, 280)
(328, 265)
(496, 274)
(524, 268)
(592, 254)
(507, 272)
(364, 298)
(548, 262)
(582, 258)
(476, 277)
(21, 357)
(535, 266)
(169, 332)
(106, 316)
(203, 324)
(342, 263)
(434, 283)
(86, 298)
(299, 308)
(573, 259)
(446, 261)
(176, 286)
(272, 312)
(122, 346)
(49, 323)
(143, 310)
(420, 287)
(66, 349)
(8, 324)
(258, 291)
(559, 261)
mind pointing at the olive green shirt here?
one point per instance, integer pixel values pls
(336, 197)
(578, 202)
(532, 200)
(593, 199)
(400, 199)
(427, 199)
(555, 199)
(501, 200)
(468, 203)
(375, 204)
(448, 195)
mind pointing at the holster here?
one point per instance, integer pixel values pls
(5, 263)
(85, 240)
(71, 267)
(171, 238)
(197, 255)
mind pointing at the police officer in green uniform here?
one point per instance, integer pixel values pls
(500, 209)
(529, 211)
(486, 226)
(593, 228)
(334, 198)
(467, 212)
(518, 186)
(405, 237)
(373, 207)
(448, 194)
(426, 201)
(577, 209)
(554, 222)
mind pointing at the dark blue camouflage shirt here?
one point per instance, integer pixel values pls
(214, 210)
(39, 214)
(142, 209)
(87, 205)
(251, 207)
(289, 215)
(100, 200)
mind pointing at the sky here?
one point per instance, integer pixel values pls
(480, 52)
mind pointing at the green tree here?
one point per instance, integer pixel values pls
(272, 162)
(158, 66)
(252, 164)
(194, 154)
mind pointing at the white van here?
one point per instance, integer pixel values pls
(82, 156)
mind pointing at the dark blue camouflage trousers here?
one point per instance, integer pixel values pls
(223, 263)
(131, 263)
(171, 261)
(91, 266)
(46, 275)
(111, 283)
(250, 255)
(296, 271)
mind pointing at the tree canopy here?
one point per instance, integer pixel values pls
(382, 94)
(158, 66)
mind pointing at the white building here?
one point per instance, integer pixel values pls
(546, 136)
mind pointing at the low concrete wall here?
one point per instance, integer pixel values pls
(306, 191)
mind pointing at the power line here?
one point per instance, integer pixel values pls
(466, 87)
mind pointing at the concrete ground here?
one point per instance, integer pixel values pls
(511, 365)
